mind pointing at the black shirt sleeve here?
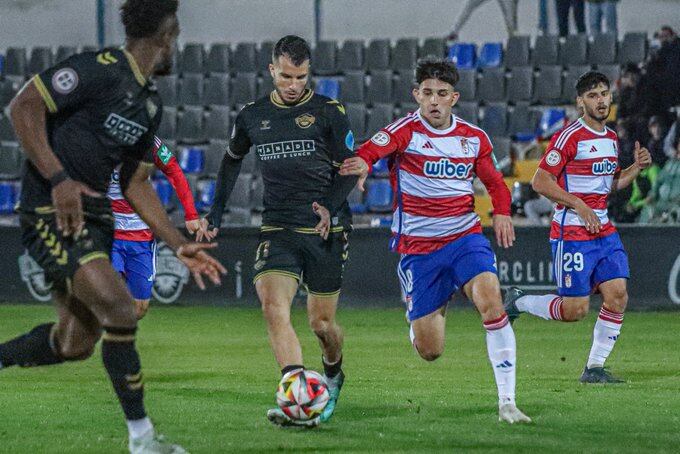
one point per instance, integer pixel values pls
(240, 143)
(341, 137)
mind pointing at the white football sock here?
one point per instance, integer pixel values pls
(500, 344)
(548, 307)
(605, 334)
(139, 427)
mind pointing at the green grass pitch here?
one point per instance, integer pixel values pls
(210, 377)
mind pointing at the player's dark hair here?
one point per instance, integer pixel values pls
(143, 18)
(436, 68)
(294, 48)
(590, 80)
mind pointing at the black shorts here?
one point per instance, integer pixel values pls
(306, 257)
(61, 257)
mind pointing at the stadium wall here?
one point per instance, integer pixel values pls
(370, 277)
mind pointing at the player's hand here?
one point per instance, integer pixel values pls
(505, 231)
(200, 263)
(204, 231)
(193, 226)
(643, 157)
(355, 166)
(67, 198)
(588, 216)
(324, 225)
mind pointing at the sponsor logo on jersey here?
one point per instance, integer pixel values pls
(171, 275)
(380, 138)
(105, 58)
(604, 167)
(287, 149)
(65, 81)
(126, 131)
(428, 146)
(593, 149)
(553, 158)
(34, 277)
(305, 121)
(446, 169)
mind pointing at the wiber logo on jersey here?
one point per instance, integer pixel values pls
(447, 169)
(126, 131)
(287, 149)
(604, 167)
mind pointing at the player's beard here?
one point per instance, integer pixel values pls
(286, 101)
(594, 114)
(164, 68)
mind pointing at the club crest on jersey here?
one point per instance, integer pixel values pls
(380, 138)
(305, 121)
(65, 81)
(464, 145)
(567, 280)
(604, 167)
(553, 158)
(446, 169)
(171, 275)
(34, 277)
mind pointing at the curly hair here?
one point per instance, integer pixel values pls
(436, 68)
(143, 18)
(590, 80)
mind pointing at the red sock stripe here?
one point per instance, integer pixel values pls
(609, 316)
(499, 323)
(555, 309)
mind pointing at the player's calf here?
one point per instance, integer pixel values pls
(574, 309)
(427, 335)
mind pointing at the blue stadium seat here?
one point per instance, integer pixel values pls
(356, 201)
(205, 194)
(380, 169)
(379, 196)
(552, 121)
(164, 190)
(464, 55)
(491, 55)
(2, 63)
(328, 87)
(8, 195)
(191, 160)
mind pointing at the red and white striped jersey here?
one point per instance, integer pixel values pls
(431, 171)
(585, 163)
(127, 224)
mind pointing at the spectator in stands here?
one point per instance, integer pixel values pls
(508, 7)
(618, 200)
(671, 135)
(602, 16)
(663, 203)
(662, 74)
(535, 209)
(655, 144)
(562, 8)
(631, 102)
(642, 187)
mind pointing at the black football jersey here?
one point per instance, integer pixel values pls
(102, 112)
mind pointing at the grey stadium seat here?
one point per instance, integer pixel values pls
(380, 116)
(548, 85)
(432, 46)
(378, 55)
(491, 86)
(264, 57)
(356, 114)
(8, 89)
(379, 87)
(546, 50)
(216, 90)
(324, 58)
(64, 52)
(467, 110)
(167, 89)
(502, 147)
(11, 159)
(522, 119)
(265, 85)
(217, 123)
(495, 119)
(353, 87)
(404, 55)
(6, 129)
(41, 59)
(240, 196)
(15, 62)
(467, 84)
(407, 108)
(243, 88)
(351, 56)
(574, 50)
(193, 55)
(190, 125)
(191, 89)
(218, 58)
(213, 156)
(168, 127)
(602, 51)
(244, 59)
(521, 84)
(517, 51)
(569, 85)
(613, 72)
(633, 48)
(403, 90)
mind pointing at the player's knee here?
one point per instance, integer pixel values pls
(618, 301)
(429, 353)
(78, 349)
(274, 310)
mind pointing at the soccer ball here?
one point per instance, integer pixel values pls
(302, 394)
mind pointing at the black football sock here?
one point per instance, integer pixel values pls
(35, 348)
(291, 367)
(331, 370)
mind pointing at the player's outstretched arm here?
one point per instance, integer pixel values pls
(625, 178)
(141, 195)
(226, 179)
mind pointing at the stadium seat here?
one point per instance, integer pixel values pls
(552, 120)
(213, 156)
(163, 190)
(380, 116)
(168, 127)
(11, 159)
(243, 88)
(613, 72)
(217, 124)
(546, 50)
(257, 194)
(190, 125)
(602, 51)
(569, 85)
(244, 59)
(15, 62)
(356, 201)
(574, 50)
(191, 89)
(633, 48)
(491, 55)
(352, 87)
(518, 51)
(467, 110)
(548, 85)
(380, 169)
(191, 160)
(379, 87)
(8, 88)
(205, 194)
(264, 57)
(8, 197)
(404, 55)
(41, 59)
(522, 122)
(407, 108)
(218, 58)
(403, 90)
(502, 148)
(328, 86)
(491, 87)
(6, 129)
(464, 55)
(378, 55)
(324, 58)
(356, 114)
(89, 48)
(265, 85)
(192, 58)
(435, 47)
(216, 90)
(240, 195)
(64, 52)
(467, 84)
(521, 84)
(351, 56)
(495, 119)
(379, 195)
(167, 87)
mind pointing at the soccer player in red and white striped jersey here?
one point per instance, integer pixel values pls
(433, 159)
(578, 172)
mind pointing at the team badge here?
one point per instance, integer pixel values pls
(305, 121)
(464, 145)
(553, 158)
(34, 277)
(171, 275)
(380, 138)
(567, 280)
(65, 81)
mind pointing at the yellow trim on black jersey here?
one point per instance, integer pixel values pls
(135, 69)
(306, 97)
(46, 96)
(270, 228)
(324, 295)
(279, 272)
(47, 209)
(93, 256)
(303, 230)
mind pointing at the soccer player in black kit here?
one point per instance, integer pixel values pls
(300, 138)
(77, 121)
